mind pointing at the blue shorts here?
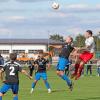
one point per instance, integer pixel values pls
(62, 63)
(6, 87)
(41, 75)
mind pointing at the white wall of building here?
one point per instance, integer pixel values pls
(25, 47)
(29, 47)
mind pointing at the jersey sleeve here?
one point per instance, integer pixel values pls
(89, 42)
(20, 68)
(3, 67)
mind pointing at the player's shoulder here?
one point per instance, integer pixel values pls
(7, 63)
(16, 63)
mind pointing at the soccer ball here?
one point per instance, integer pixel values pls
(55, 5)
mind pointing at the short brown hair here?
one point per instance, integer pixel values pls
(90, 32)
(13, 56)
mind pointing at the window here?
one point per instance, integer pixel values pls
(4, 51)
(35, 51)
(18, 51)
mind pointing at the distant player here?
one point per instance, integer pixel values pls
(86, 55)
(66, 50)
(42, 65)
(11, 70)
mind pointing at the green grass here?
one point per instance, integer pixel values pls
(87, 88)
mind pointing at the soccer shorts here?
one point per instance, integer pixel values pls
(86, 56)
(39, 75)
(62, 63)
(6, 87)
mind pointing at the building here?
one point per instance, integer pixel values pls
(30, 46)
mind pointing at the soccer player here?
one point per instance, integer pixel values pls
(86, 55)
(31, 67)
(66, 50)
(42, 65)
(11, 70)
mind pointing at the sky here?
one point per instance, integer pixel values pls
(37, 19)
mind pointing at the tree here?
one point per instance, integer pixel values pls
(80, 41)
(57, 37)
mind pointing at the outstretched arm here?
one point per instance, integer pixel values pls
(26, 73)
(1, 74)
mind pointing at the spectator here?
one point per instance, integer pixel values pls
(89, 68)
(98, 67)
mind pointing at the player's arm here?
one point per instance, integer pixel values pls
(48, 66)
(75, 51)
(1, 73)
(58, 47)
(26, 73)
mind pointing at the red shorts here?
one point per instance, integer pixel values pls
(86, 56)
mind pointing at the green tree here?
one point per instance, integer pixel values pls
(80, 41)
(57, 37)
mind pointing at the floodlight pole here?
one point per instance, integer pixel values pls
(48, 40)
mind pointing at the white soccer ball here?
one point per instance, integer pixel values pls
(55, 5)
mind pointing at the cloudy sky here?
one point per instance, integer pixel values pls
(36, 18)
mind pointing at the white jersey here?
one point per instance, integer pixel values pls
(90, 42)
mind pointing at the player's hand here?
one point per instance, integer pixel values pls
(30, 77)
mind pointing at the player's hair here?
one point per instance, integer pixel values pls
(90, 32)
(13, 56)
(71, 38)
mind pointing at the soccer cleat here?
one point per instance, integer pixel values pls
(32, 90)
(49, 90)
(71, 86)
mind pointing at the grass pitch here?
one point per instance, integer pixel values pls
(86, 88)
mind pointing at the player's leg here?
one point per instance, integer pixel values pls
(90, 70)
(66, 78)
(87, 70)
(84, 57)
(81, 66)
(37, 77)
(76, 66)
(15, 89)
(44, 76)
(4, 89)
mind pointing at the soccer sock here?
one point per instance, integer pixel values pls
(15, 98)
(33, 85)
(65, 77)
(0, 97)
(79, 71)
(47, 85)
(76, 68)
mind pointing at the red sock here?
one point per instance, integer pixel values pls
(76, 69)
(79, 72)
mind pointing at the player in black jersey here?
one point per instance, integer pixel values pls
(11, 70)
(42, 65)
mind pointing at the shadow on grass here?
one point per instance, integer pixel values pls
(58, 91)
(91, 98)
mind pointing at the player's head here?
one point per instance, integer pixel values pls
(41, 55)
(13, 56)
(69, 39)
(88, 33)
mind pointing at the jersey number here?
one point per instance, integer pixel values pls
(12, 70)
